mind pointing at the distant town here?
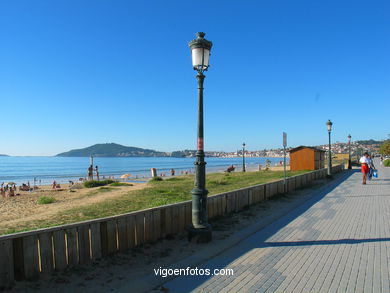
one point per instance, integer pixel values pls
(357, 148)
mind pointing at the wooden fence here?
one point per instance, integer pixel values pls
(27, 255)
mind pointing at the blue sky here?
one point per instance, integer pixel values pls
(76, 73)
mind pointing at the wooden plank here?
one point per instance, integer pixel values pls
(175, 219)
(122, 234)
(262, 193)
(280, 187)
(59, 250)
(139, 228)
(188, 207)
(228, 197)
(223, 204)
(210, 207)
(157, 224)
(255, 195)
(219, 205)
(236, 202)
(239, 200)
(182, 217)
(46, 252)
(30, 257)
(6, 264)
(267, 190)
(215, 206)
(96, 245)
(71, 245)
(274, 189)
(83, 244)
(298, 182)
(304, 180)
(130, 227)
(111, 237)
(250, 196)
(18, 258)
(246, 197)
(167, 224)
(148, 226)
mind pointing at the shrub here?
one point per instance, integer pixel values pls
(155, 179)
(174, 179)
(121, 184)
(94, 183)
(386, 163)
(46, 199)
(385, 148)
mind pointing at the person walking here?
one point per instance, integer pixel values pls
(365, 169)
(371, 167)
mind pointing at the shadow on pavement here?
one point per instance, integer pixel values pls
(258, 240)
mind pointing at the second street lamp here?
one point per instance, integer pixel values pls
(329, 126)
(243, 157)
(349, 152)
(200, 231)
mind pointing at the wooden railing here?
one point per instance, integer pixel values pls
(26, 255)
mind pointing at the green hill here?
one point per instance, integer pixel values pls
(112, 150)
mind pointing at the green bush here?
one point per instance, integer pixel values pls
(155, 179)
(121, 184)
(386, 163)
(94, 183)
(46, 199)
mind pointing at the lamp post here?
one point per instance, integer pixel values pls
(349, 152)
(329, 126)
(243, 157)
(200, 230)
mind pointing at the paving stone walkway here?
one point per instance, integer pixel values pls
(339, 241)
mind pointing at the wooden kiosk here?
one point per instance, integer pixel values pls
(306, 158)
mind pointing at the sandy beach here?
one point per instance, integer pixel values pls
(24, 208)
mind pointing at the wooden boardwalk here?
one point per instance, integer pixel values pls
(337, 242)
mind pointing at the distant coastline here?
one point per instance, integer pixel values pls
(1, 155)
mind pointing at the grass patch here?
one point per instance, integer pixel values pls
(94, 183)
(121, 184)
(171, 191)
(100, 190)
(46, 199)
(386, 163)
(174, 179)
(156, 179)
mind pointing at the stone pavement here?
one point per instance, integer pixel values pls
(339, 241)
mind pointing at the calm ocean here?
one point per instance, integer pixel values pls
(24, 169)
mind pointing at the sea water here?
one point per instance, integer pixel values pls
(62, 169)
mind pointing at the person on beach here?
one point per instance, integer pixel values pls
(90, 172)
(97, 172)
(172, 172)
(365, 169)
(54, 185)
(11, 192)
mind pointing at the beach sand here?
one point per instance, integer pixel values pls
(20, 210)
(24, 208)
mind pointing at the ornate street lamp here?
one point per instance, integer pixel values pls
(329, 126)
(243, 157)
(349, 152)
(200, 231)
